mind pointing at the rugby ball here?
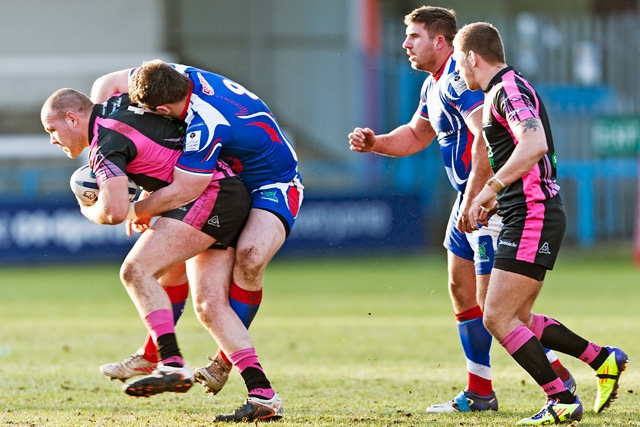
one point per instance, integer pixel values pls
(85, 186)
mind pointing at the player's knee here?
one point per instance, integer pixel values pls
(203, 311)
(491, 323)
(130, 273)
(251, 262)
(208, 309)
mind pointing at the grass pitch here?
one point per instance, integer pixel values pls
(345, 342)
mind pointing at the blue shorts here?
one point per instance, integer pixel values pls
(283, 199)
(479, 246)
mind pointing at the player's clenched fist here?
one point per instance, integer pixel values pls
(362, 140)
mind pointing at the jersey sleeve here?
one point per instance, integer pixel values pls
(202, 145)
(517, 107)
(207, 132)
(423, 111)
(130, 74)
(110, 156)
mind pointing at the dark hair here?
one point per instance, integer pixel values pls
(436, 20)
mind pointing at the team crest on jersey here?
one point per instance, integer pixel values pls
(458, 84)
(206, 88)
(192, 141)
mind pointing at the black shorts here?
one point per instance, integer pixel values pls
(531, 234)
(221, 211)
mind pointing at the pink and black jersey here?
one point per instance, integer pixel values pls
(511, 99)
(127, 140)
(446, 102)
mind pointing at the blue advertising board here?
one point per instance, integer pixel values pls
(55, 230)
(357, 225)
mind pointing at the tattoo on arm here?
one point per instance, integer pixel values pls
(530, 124)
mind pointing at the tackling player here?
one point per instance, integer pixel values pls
(223, 120)
(451, 112)
(127, 141)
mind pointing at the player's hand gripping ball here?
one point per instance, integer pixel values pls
(85, 186)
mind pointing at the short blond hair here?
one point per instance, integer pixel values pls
(67, 99)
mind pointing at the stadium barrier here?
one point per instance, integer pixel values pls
(357, 225)
(55, 231)
(52, 231)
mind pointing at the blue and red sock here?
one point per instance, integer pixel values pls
(244, 303)
(476, 344)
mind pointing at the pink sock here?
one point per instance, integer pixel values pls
(554, 387)
(160, 322)
(590, 353)
(516, 339)
(539, 323)
(247, 358)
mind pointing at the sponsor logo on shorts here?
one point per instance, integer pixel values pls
(271, 195)
(510, 244)
(482, 252)
(214, 221)
(544, 249)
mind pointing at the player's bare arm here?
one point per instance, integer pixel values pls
(403, 141)
(109, 84)
(184, 189)
(480, 172)
(112, 205)
(532, 145)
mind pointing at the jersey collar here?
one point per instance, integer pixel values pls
(183, 115)
(97, 109)
(497, 78)
(440, 72)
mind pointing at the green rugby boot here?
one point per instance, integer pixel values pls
(554, 412)
(608, 377)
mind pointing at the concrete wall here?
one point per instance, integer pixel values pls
(47, 45)
(298, 56)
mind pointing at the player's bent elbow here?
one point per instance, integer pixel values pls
(108, 221)
(115, 220)
(112, 218)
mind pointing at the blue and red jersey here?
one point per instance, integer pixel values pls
(224, 120)
(446, 102)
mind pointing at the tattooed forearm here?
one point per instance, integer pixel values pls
(530, 124)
